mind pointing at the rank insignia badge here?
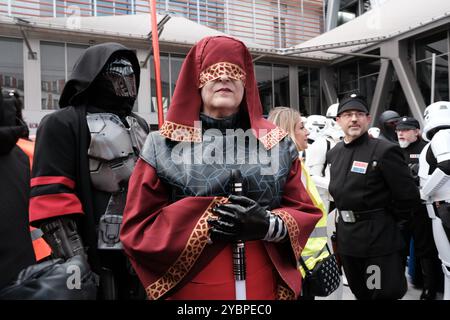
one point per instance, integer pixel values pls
(359, 167)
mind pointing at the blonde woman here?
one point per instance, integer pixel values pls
(292, 122)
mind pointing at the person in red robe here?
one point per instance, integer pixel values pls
(180, 222)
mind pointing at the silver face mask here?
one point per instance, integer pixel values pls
(121, 74)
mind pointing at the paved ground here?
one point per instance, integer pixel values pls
(412, 294)
(345, 293)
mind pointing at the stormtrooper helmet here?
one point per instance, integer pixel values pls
(436, 116)
(316, 125)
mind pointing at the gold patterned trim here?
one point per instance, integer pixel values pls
(272, 138)
(194, 247)
(293, 230)
(284, 293)
(179, 132)
(216, 70)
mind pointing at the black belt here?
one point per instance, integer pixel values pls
(351, 216)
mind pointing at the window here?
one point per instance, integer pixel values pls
(52, 70)
(359, 76)
(11, 65)
(83, 8)
(73, 53)
(396, 99)
(175, 68)
(348, 78)
(263, 73)
(273, 85)
(57, 61)
(437, 44)
(309, 91)
(281, 85)
(165, 83)
(105, 8)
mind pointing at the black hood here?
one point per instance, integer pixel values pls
(89, 66)
(9, 131)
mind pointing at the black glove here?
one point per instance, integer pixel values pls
(62, 236)
(241, 219)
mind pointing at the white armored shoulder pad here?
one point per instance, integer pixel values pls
(440, 145)
(424, 166)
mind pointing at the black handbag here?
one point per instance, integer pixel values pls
(323, 279)
(48, 280)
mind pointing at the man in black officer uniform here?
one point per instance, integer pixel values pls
(408, 133)
(374, 193)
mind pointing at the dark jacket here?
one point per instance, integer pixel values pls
(412, 153)
(16, 249)
(369, 174)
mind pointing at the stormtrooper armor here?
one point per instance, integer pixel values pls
(374, 132)
(316, 153)
(435, 186)
(112, 153)
(332, 130)
(332, 111)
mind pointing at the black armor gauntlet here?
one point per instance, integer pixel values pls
(62, 236)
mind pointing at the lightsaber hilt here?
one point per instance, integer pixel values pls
(239, 264)
(239, 261)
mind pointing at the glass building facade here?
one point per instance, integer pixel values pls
(437, 44)
(57, 61)
(276, 23)
(11, 65)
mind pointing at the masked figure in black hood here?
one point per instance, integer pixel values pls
(84, 156)
(16, 250)
(387, 122)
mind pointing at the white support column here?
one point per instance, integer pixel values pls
(293, 88)
(144, 95)
(32, 86)
(433, 76)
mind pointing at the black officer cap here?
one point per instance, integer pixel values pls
(353, 102)
(407, 123)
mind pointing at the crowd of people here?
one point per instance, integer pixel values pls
(220, 202)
